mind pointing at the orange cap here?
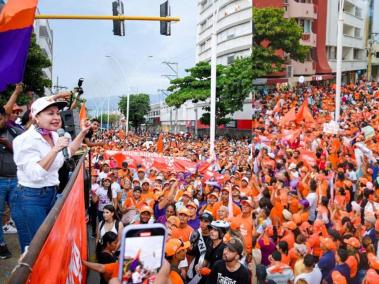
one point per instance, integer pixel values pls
(192, 204)
(354, 242)
(174, 220)
(328, 243)
(146, 209)
(173, 246)
(184, 211)
(290, 225)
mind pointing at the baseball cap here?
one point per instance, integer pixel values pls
(174, 220)
(43, 103)
(146, 209)
(206, 217)
(290, 225)
(184, 211)
(328, 243)
(173, 246)
(235, 245)
(248, 202)
(354, 242)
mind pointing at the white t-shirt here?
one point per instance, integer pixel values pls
(312, 199)
(103, 198)
(116, 188)
(313, 277)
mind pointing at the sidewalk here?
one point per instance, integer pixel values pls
(8, 264)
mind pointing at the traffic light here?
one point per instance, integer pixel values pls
(165, 12)
(118, 26)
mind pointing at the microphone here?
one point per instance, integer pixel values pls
(61, 133)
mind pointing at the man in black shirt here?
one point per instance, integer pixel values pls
(90, 138)
(229, 270)
(8, 172)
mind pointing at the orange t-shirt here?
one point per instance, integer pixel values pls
(111, 270)
(175, 278)
(130, 202)
(182, 233)
(217, 205)
(290, 239)
(352, 262)
(246, 229)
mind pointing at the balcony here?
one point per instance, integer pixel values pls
(301, 10)
(309, 39)
(306, 68)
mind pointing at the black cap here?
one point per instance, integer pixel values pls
(206, 217)
(137, 188)
(124, 164)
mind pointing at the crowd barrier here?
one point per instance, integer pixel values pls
(56, 251)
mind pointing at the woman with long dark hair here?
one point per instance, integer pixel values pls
(110, 223)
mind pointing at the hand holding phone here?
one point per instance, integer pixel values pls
(142, 252)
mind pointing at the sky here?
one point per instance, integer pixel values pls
(80, 48)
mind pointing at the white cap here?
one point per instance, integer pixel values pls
(369, 185)
(45, 102)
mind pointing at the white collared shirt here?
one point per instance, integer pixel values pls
(29, 148)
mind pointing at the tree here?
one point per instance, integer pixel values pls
(274, 33)
(232, 87)
(113, 118)
(139, 107)
(34, 78)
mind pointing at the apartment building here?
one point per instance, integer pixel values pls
(45, 39)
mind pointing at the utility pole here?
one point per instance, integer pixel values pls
(59, 88)
(164, 92)
(339, 61)
(174, 67)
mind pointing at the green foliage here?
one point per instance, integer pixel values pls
(273, 32)
(232, 87)
(34, 78)
(113, 118)
(139, 107)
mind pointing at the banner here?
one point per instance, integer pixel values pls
(150, 160)
(60, 260)
(331, 127)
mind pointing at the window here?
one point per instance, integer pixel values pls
(230, 59)
(305, 24)
(377, 55)
(358, 12)
(202, 47)
(332, 51)
(357, 32)
(358, 54)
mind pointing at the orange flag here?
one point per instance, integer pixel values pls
(304, 113)
(160, 144)
(83, 113)
(290, 116)
(277, 107)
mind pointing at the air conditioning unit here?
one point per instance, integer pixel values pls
(289, 71)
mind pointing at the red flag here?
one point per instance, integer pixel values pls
(160, 144)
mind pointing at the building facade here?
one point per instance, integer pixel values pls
(234, 39)
(318, 19)
(45, 39)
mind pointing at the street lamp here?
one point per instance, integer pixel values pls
(339, 60)
(128, 95)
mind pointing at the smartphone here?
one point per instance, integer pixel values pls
(142, 252)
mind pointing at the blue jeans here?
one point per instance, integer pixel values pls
(29, 208)
(7, 185)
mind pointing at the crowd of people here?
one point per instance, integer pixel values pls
(296, 202)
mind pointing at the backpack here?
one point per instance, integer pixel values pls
(101, 225)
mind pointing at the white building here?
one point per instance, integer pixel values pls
(354, 41)
(375, 39)
(44, 37)
(234, 39)
(233, 28)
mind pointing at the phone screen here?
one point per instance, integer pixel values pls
(143, 251)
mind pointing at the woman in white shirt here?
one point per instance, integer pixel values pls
(38, 156)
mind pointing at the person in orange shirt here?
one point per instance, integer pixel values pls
(246, 224)
(211, 200)
(124, 171)
(283, 249)
(175, 252)
(184, 231)
(289, 236)
(353, 259)
(147, 194)
(225, 202)
(135, 202)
